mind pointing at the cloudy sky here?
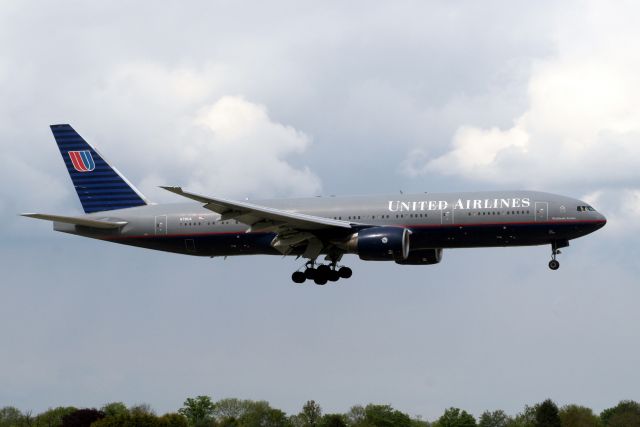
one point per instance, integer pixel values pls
(282, 99)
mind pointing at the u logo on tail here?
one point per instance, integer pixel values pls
(82, 160)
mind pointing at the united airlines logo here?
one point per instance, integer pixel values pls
(460, 204)
(82, 160)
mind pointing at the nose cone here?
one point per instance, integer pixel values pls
(600, 220)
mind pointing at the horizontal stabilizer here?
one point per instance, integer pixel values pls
(85, 222)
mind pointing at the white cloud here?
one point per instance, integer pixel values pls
(621, 207)
(582, 123)
(239, 148)
(201, 138)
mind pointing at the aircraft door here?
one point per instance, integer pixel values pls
(447, 215)
(542, 211)
(161, 224)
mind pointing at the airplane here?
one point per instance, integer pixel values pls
(409, 229)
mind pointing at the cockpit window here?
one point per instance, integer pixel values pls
(585, 208)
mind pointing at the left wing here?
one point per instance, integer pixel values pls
(292, 228)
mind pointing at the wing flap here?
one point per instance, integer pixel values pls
(85, 222)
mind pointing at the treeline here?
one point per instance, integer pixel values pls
(202, 411)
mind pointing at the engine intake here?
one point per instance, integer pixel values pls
(381, 243)
(422, 257)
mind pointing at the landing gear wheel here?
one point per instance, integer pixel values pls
(320, 280)
(310, 273)
(333, 275)
(345, 272)
(323, 270)
(298, 277)
(554, 265)
(322, 274)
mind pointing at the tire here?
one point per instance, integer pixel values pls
(323, 270)
(310, 273)
(345, 272)
(320, 280)
(298, 277)
(554, 265)
(322, 275)
(334, 276)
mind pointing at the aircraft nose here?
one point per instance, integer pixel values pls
(602, 220)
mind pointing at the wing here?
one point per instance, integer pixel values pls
(292, 228)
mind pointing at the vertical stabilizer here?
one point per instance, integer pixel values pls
(100, 187)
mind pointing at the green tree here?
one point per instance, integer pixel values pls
(230, 408)
(260, 414)
(526, 418)
(114, 409)
(81, 417)
(355, 416)
(141, 418)
(455, 417)
(173, 420)
(10, 417)
(547, 414)
(418, 422)
(53, 417)
(333, 420)
(578, 416)
(385, 416)
(494, 419)
(142, 408)
(229, 422)
(626, 413)
(311, 414)
(198, 411)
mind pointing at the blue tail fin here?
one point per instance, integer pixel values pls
(99, 186)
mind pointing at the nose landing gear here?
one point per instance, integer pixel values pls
(554, 264)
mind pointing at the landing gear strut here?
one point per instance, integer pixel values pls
(554, 264)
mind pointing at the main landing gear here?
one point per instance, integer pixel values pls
(554, 264)
(322, 273)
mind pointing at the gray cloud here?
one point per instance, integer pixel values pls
(346, 99)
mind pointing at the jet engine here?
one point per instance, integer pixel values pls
(422, 257)
(380, 243)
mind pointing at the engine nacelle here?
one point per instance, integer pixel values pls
(380, 243)
(422, 257)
